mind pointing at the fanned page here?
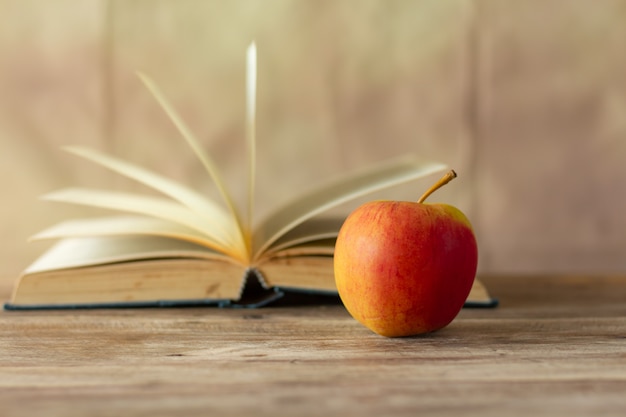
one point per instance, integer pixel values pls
(207, 162)
(191, 209)
(317, 234)
(346, 188)
(251, 78)
(149, 206)
(112, 226)
(225, 227)
(88, 251)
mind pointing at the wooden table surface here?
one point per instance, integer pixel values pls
(554, 346)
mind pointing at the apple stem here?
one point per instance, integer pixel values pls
(450, 175)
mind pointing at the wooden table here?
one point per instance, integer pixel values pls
(554, 346)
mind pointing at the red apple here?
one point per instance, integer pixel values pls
(404, 268)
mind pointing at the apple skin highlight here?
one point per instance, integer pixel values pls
(405, 268)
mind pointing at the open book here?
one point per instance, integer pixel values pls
(184, 248)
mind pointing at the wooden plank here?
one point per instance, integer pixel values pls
(555, 346)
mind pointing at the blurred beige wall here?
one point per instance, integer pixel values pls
(526, 100)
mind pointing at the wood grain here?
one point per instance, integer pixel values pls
(555, 346)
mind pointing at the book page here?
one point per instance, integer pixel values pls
(89, 251)
(207, 162)
(315, 234)
(149, 206)
(340, 191)
(200, 204)
(319, 247)
(251, 79)
(127, 226)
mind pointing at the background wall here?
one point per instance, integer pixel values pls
(526, 100)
